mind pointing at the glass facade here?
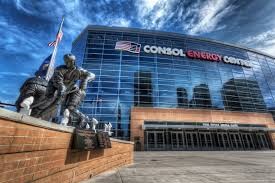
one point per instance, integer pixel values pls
(125, 79)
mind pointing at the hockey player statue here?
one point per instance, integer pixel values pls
(61, 93)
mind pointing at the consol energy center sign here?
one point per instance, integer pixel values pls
(217, 58)
(135, 48)
(163, 50)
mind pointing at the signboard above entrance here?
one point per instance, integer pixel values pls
(220, 124)
(202, 124)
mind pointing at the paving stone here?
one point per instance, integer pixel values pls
(195, 167)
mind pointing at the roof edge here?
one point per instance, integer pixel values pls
(139, 30)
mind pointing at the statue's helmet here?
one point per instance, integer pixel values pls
(69, 60)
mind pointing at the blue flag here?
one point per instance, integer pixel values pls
(42, 71)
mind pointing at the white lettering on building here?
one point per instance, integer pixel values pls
(236, 61)
(220, 125)
(163, 50)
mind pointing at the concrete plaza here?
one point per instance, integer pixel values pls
(195, 167)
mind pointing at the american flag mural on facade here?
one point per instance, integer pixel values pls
(128, 46)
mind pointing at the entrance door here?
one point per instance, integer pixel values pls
(262, 141)
(215, 141)
(236, 141)
(177, 140)
(248, 143)
(155, 141)
(192, 140)
(224, 141)
(206, 141)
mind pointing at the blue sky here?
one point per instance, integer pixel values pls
(26, 27)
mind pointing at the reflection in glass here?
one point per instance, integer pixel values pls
(182, 98)
(242, 95)
(143, 89)
(201, 97)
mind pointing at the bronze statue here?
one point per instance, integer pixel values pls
(60, 94)
(32, 92)
(63, 94)
(62, 89)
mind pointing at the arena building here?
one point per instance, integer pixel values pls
(169, 91)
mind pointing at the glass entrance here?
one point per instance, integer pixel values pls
(247, 139)
(155, 141)
(177, 141)
(206, 140)
(224, 141)
(192, 140)
(262, 141)
(236, 141)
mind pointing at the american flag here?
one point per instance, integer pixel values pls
(128, 46)
(54, 43)
(58, 38)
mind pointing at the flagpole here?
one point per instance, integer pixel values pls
(52, 61)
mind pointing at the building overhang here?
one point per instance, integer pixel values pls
(185, 126)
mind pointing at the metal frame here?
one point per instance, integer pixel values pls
(175, 139)
(156, 140)
(178, 139)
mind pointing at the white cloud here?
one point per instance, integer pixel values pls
(149, 4)
(75, 19)
(15, 74)
(194, 18)
(49, 9)
(77, 14)
(264, 36)
(264, 41)
(208, 16)
(153, 14)
(121, 22)
(19, 40)
(268, 49)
